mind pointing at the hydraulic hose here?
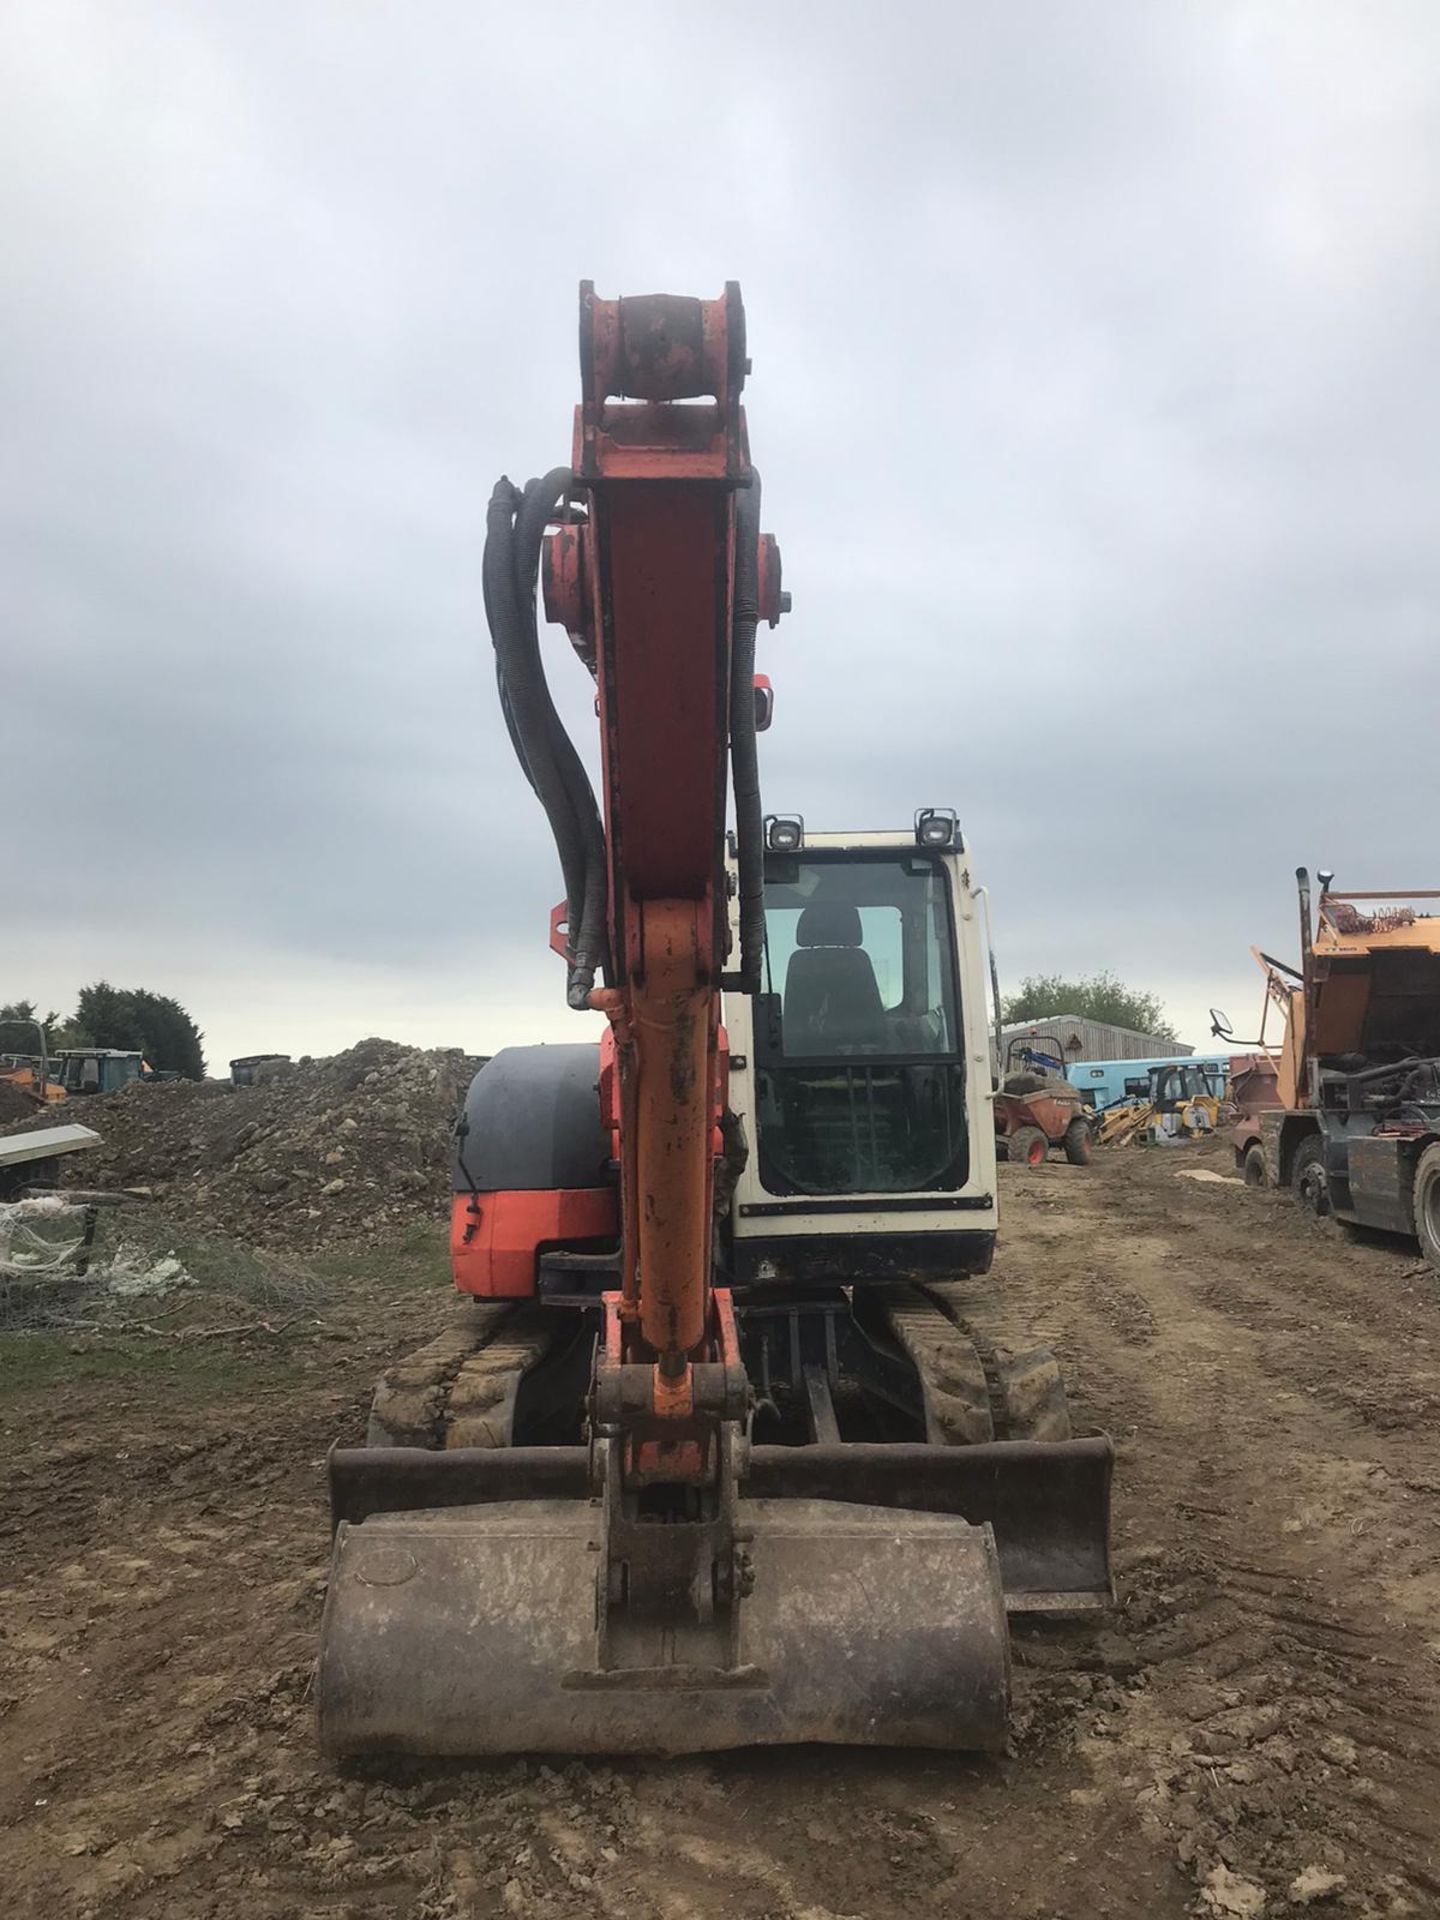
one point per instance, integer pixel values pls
(744, 750)
(514, 528)
(587, 928)
(522, 700)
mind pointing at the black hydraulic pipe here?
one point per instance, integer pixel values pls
(521, 699)
(1368, 1074)
(587, 928)
(545, 751)
(497, 532)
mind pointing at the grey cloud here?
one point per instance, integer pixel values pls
(1092, 389)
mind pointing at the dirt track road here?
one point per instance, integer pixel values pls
(1262, 1712)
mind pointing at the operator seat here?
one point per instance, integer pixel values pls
(832, 1002)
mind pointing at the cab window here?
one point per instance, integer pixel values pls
(860, 1067)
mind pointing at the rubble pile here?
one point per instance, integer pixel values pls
(16, 1104)
(339, 1152)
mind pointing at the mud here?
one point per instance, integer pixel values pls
(16, 1105)
(1253, 1732)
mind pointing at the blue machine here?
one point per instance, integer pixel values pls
(1102, 1083)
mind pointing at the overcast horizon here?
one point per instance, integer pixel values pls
(1093, 390)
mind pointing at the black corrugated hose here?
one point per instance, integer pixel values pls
(514, 529)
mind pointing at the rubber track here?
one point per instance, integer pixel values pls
(480, 1409)
(459, 1389)
(1026, 1387)
(952, 1376)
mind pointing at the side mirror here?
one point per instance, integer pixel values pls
(1220, 1025)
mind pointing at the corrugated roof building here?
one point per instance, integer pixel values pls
(1082, 1039)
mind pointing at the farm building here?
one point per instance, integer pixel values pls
(1082, 1039)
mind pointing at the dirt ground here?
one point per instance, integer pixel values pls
(1254, 1731)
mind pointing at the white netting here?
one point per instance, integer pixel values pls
(51, 1269)
(43, 1235)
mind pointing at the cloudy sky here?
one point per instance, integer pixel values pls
(1095, 389)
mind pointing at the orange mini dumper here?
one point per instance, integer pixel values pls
(1035, 1111)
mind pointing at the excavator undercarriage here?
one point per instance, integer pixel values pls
(733, 1442)
(991, 1508)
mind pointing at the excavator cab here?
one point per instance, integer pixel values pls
(728, 1446)
(859, 1051)
(1184, 1102)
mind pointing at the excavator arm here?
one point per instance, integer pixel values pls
(656, 580)
(660, 572)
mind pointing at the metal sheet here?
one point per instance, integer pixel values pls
(1047, 1502)
(18, 1148)
(1382, 1181)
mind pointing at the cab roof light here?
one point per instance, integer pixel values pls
(937, 827)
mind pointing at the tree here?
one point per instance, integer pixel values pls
(1098, 996)
(148, 1023)
(17, 1029)
(106, 1019)
(172, 1039)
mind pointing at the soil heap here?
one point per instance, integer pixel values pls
(16, 1104)
(344, 1151)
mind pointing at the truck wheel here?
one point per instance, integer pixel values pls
(1309, 1181)
(1027, 1147)
(1078, 1143)
(1255, 1167)
(1427, 1204)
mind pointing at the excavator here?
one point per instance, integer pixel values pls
(733, 1442)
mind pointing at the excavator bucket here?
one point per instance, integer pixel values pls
(474, 1631)
(463, 1609)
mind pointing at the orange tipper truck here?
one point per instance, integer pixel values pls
(1355, 1133)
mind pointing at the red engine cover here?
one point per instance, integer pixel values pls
(496, 1238)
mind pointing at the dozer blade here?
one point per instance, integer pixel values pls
(473, 1630)
(1047, 1501)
